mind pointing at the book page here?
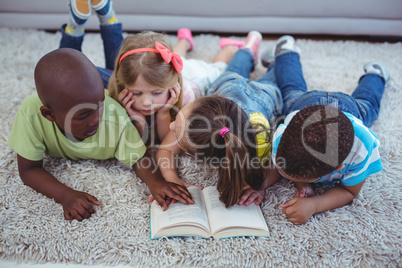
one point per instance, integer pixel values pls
(234, 216)
(179, 213)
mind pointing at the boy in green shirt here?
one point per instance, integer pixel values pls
(70, 117)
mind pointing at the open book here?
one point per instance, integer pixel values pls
(207, 217)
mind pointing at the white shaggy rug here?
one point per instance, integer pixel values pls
(366, 233)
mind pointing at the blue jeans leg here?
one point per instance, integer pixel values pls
(112, 36)
(105, 74)
(269, 77)
(242, 63)
(70, 41)
(290, 79)
(368, 95)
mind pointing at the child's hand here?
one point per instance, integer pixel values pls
(180, 182)
(304, 189)
(168, 200)
(126, 100)
(174, 98)
(250, 196)
(78, 205)
(299, 209)
(165, 192)
(177, 180)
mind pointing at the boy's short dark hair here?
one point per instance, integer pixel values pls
(316, 142)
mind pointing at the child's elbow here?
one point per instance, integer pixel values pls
(26, 167)
(351, 192)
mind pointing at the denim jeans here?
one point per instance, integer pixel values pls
(363, 104)
(262, 96)
(112, 37)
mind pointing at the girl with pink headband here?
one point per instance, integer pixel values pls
(230, 129)
(153, 82)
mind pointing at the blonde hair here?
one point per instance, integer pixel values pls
(149, 65)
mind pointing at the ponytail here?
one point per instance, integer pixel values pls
(233, 171)
(234, 149)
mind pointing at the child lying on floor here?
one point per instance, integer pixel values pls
(70, 117)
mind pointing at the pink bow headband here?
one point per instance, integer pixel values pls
(169, 57)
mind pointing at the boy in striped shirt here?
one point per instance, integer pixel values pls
(325, 136)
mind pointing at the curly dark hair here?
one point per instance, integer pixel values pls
(316, 142)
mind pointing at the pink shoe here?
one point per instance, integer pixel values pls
(184, 33)
(230, 42)
(253, 42)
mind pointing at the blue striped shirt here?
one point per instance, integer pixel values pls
(362, 161)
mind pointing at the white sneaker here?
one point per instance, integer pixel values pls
(285, 43)
(374, 67)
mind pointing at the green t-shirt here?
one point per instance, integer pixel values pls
(32, 136)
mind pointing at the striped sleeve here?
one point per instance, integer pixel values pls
(275, 141)
(364, 158)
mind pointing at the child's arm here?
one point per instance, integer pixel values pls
(163, 118)
(249, 196)
(166, 157)
(299, 209)
(125, 99)
(76, 205)
(163, 191)
(162, 124)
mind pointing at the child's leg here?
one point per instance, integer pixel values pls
(181, 47)
(242, 63)
(105, 74)
(228, 48)
(290, 79)
(252, 43)
(105, 11)
(244, 60)
(270, 95)
(72, 33)
(184, 43)
(269, 77)
(283, 44)
(110, 29)
(288, 70)
(225, 54)
(79, 14)
(70, 41)
(370, 90)
(112, 36)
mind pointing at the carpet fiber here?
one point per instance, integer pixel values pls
(366, 233)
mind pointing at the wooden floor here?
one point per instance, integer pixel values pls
(363, 38)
